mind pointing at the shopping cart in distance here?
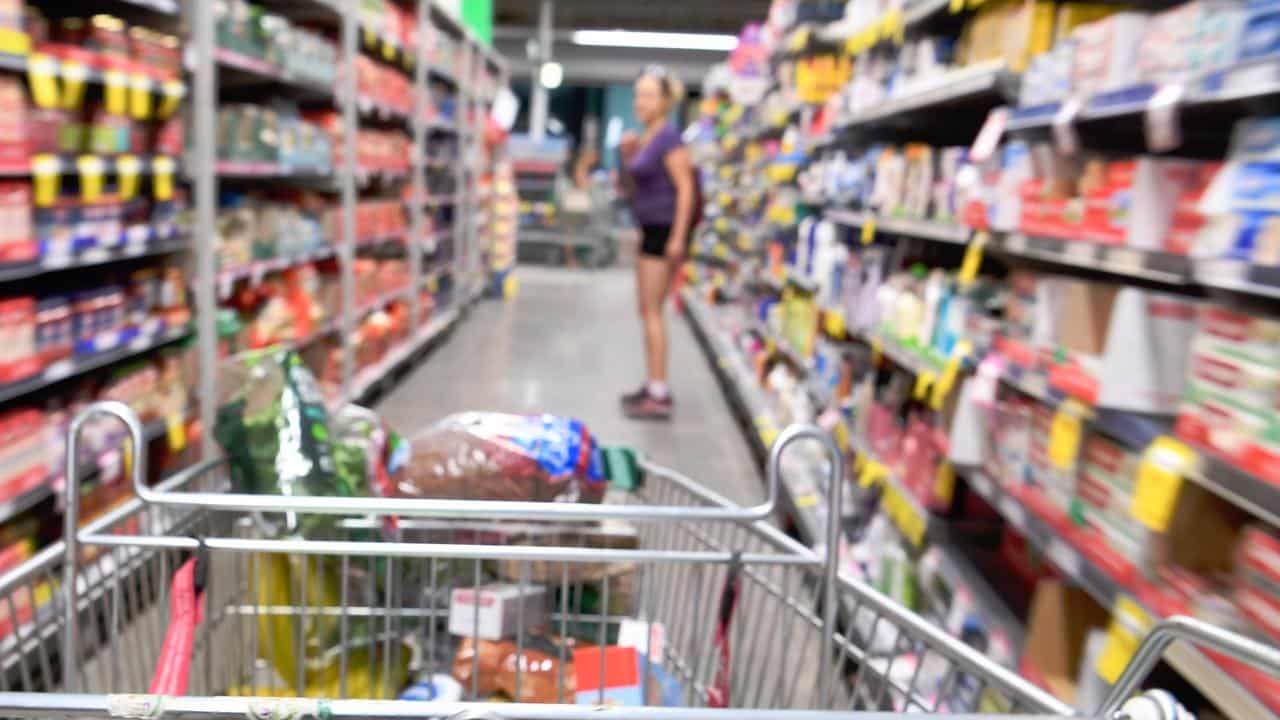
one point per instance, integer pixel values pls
(750, 623)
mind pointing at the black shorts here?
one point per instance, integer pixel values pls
(653, 240)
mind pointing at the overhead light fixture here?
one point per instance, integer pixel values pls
(551, 75)
(655, 40)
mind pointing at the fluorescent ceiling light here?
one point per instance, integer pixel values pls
(656, 40)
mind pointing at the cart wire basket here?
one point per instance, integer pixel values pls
(323, 607)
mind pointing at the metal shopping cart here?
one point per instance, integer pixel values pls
(756, 624)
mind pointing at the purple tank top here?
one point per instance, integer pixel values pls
(654, 200)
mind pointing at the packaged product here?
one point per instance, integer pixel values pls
(486, 667)
(493, 456)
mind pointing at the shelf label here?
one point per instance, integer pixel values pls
(924, 380)
(809, 500)
(176, 431)
(1128, 624)
(1080, 251)
(47, 170)
(1064, 434)
(42, 72)
(117, 92)
(841, 433)
(955, 7)
(140, 87)
(74, 76)
(1160, 474)
(1013, 511)
(973, 258)
(946, 382)
(873, 473)
(171, 94)
(90, 168)
(944, 484)
(981, 483)
(1065, 557)
(1064, 130)
(1161, 118)
(868, 228)
(877, 350)
(127, 169)
(162, 182)
(833, 323)
(990, 134)
(59, 370)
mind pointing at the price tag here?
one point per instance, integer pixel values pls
(1013, 511)
(1124, 258)
(59, 370)
(1065, 557)
(176, 431)
(799, 39)
(833, 324)
(1016, 243)
(767, 435)
(1064, 128)
(90, 168)
(116, 95)
(868, 228)
(127, 169)
(990, 134)
(1128, 624)
(942, 388)
(106, 341)
(171, 94)
(892, 27)
(720, 250)
(162, 182)
(47, 170)
(388, 50)
(74, 76)
(924, 381)
(877, 350)
(873, 473)
(1080, 251)
(804, 502)
(1161, 119)
(955, 6)
(140, 342)
(370, 37)
(42, 72)
(140, 87)
(973, 258)
(944, 483)
(981, 483)
(841, 433)
(1064, 434)
(1160, 475)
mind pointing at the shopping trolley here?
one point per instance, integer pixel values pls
(756, 624)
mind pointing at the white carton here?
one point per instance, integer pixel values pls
(501, 607)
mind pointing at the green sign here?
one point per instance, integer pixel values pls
(478, 15)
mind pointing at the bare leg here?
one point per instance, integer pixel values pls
(653, 277)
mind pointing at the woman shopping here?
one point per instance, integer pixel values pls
(658, 175)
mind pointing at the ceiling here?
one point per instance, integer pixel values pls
(709, 16)
(516, 22)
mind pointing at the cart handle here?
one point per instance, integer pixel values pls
(445, 508)
(71, 521)
(1258, 655)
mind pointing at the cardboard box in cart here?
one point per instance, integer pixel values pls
(501, 607)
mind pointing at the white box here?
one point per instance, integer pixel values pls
(499, 612)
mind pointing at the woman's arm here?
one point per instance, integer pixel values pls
(680, 166)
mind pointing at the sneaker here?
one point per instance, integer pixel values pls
(648, 407)
(632, 398)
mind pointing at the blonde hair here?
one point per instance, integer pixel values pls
(672, 86)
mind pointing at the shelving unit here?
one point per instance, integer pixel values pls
(178, 243)
(914, 178)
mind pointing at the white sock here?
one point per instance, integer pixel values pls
(659, 389)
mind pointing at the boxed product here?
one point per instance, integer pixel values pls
(493, 612)
(1189, 39)
(1105, 53)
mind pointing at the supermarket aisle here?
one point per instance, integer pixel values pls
(570, 344)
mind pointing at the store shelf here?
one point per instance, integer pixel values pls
(256, 271)
(382, 301)
(1120, 261)
(260, 70)
(1075, 565)
(232, 169)
(369, 378)
(369, 108)
(1232, 91)
(909, 227)
(138, 242)
(988, 84)
(1243, 489)
(915, 517)
(443, 73)
(81, 364)
(12, 508)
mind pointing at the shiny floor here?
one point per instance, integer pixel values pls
(570, 344)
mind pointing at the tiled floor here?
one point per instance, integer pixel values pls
(570, 344)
